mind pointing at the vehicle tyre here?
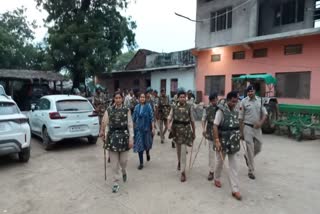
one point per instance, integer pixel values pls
(269, 127)
(92, 140)
(47, 142)
(24, 155)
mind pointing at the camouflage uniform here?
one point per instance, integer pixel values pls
(163, 113)
(164, 107)
(208, 118)
(229, 135)
(118, 134)
(229, 130)
(100, 103)
(181, 132)
(181, 129)
(117, 122)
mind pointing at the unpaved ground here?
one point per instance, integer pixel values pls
(70, 179)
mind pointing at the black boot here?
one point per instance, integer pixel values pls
(173, 145)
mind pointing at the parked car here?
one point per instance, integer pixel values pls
(15, 135)
(58, 117)
(2, 91)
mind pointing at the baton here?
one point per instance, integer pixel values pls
(197, 152)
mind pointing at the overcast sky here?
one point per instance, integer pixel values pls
(158, 29)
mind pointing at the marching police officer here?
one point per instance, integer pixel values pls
(99, 103)
(252, 115)
(182, 129)
(163, 111)
(227, 142)
(208, 116)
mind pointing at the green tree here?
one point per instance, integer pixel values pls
(86, 36)
(123, 60)
(16, 36)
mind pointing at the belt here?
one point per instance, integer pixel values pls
(180, 122)
(248, 124)
(118, 129)
(230, 129)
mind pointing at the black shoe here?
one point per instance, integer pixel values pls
(158, 133)
(173, 145)
(251, 176)
(109, 160)
(245, 157)
(162, 141)
(178, 166)
(210, 176)
(124, 177)
(140, 166)
(148, 158)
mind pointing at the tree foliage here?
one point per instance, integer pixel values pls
(123, 60)
(86, 36)
(17, 50)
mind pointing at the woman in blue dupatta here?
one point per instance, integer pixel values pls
(143, 128)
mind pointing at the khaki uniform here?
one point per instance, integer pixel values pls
(118, 132)
(181, 131)
(229, 135)
(208, 118)
(100, 104)
(251, 111)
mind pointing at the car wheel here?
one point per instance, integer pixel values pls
(92, 140)
(47, 143)
(24, 155)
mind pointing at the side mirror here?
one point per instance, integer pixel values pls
(33, 107)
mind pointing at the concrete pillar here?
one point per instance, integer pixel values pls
(254, 18)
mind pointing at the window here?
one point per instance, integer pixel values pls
(163, 84)
(148, 83)
(44, 104)
(288, 12)
(257, 53)
(239, 55)
(215, 84)
(221, 19)
(73, 105)
(173, 87)
(8, 108)
(293, 85)
(215, 57)
(293, 49)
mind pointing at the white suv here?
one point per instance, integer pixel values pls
(58, 117)
(15, 135)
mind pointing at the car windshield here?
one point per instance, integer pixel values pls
(2, 91)
(73, 105)
(8, 108)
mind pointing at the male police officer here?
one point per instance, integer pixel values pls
(208, 116)
(183, 130)
(163, 110)
(252, 115)
(227, 142)
(99, 103)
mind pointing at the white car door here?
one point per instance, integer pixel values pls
(44, 107)
(34, 119)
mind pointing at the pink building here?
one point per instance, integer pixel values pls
(239, 39)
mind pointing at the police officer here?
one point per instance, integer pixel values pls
(117, 132)
(182, 127)
(227, 142)
(208, 116)
(252, 115)
(162, 113)
(99, 103)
